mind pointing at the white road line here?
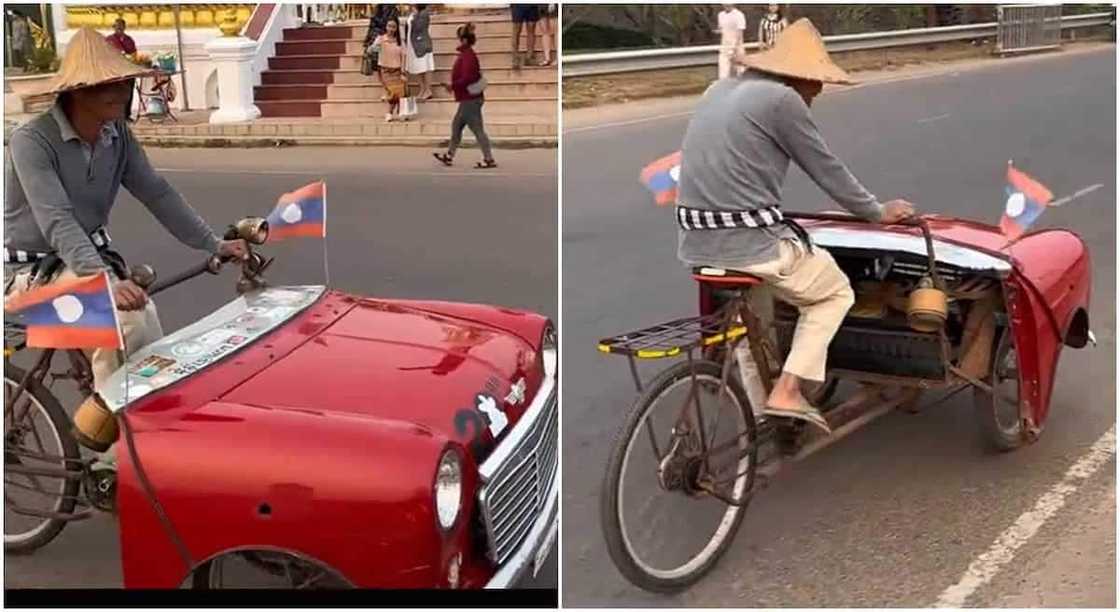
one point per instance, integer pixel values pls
(320, 172)
(1076, 194)
(603, 126)
(987, 565)
(935, 118)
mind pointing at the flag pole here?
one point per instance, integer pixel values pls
(326, 259)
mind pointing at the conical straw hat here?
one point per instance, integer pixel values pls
(799, 52)
(91, 60)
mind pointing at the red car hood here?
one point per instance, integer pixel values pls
(389, 361)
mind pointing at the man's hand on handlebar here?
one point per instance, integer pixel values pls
(129, 295)
(233, 250)
(897, 211)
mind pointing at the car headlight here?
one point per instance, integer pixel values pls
(448, 489)
(549, 346)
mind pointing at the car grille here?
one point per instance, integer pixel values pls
(515, 493)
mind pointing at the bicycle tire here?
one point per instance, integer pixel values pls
(993, 435)
(61, 424)
(609, 497)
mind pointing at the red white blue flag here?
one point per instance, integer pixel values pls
(301, 213)
(661, 178)
(77, 313)
(1026, 200)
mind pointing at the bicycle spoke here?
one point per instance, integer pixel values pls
(653, 438)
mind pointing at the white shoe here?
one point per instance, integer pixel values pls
(388, 117)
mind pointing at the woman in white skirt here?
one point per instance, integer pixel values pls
(421, 59)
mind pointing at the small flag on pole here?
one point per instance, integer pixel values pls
(661, 178)
(77, 313)
(1026, 200)
(301, 213)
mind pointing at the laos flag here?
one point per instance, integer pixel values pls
(661, 178)
(1026, 200)
(76, 313)
(302, 212)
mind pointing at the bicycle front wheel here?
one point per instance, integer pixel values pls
(671, 503)
(41, 464)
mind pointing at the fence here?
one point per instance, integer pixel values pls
(589, 64)
(1027, 27)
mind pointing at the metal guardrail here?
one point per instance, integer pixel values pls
(612, 62)
(1029, 27)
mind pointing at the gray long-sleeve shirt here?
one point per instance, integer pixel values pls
(59, 189)
(735, 156)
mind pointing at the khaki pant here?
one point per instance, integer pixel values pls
(819, 289)
(139, 328)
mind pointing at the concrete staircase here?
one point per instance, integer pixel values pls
(315, 73)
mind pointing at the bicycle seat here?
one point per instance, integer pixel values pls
(723, 276)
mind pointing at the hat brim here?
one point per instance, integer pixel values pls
(54, 87)
(839, 77)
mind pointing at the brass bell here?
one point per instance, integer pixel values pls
(253, 230)
(95, 426)
(928, 307)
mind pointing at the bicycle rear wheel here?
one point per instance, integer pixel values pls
(665, 508)
(36, 439)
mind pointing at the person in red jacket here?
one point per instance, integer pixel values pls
(121, 41)
(467, 83)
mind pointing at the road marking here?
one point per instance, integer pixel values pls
(1076, 194)
(320, 173)
(987, 565)
(932, 119)
(603, 126)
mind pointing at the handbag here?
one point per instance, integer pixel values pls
(367, 64)
(477, 87)
(409, 106)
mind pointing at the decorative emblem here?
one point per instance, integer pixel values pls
(497, 419)
(516, 393)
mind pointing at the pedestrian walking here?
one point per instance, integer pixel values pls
(526, 15)
(421, 59)
(732, 25)
(547, 25)
(382, 14)
(771, 24)
(393, 66)
(22, 44)
(468, 83)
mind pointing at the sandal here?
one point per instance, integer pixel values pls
(805, 413)
(443, 158)
(486, 163)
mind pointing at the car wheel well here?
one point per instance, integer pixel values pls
(1077, 333)
(195, 574)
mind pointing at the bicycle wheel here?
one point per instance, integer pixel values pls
(997, 414)
(664, 504)
(38, 440)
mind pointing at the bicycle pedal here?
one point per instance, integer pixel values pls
(101, 489)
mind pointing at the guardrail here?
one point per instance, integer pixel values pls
(590, 64)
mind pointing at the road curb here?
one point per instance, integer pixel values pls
(155, 140)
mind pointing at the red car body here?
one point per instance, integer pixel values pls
(322, 439)
(1047, 289)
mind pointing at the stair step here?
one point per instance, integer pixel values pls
(489, 59)
(290, 108)
(355, 46)
(438, 29)
(374, 91)
(320, 76)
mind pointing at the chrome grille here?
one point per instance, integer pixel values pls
(515, 487)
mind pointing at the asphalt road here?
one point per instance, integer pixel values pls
(399, 226)
(896, 513)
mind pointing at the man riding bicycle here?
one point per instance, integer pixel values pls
(734, 159)
(63, 171)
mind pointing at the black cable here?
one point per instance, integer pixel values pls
(149, 491)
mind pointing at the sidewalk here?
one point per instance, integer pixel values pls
(192, 130)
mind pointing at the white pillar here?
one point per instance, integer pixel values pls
(233, 58)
